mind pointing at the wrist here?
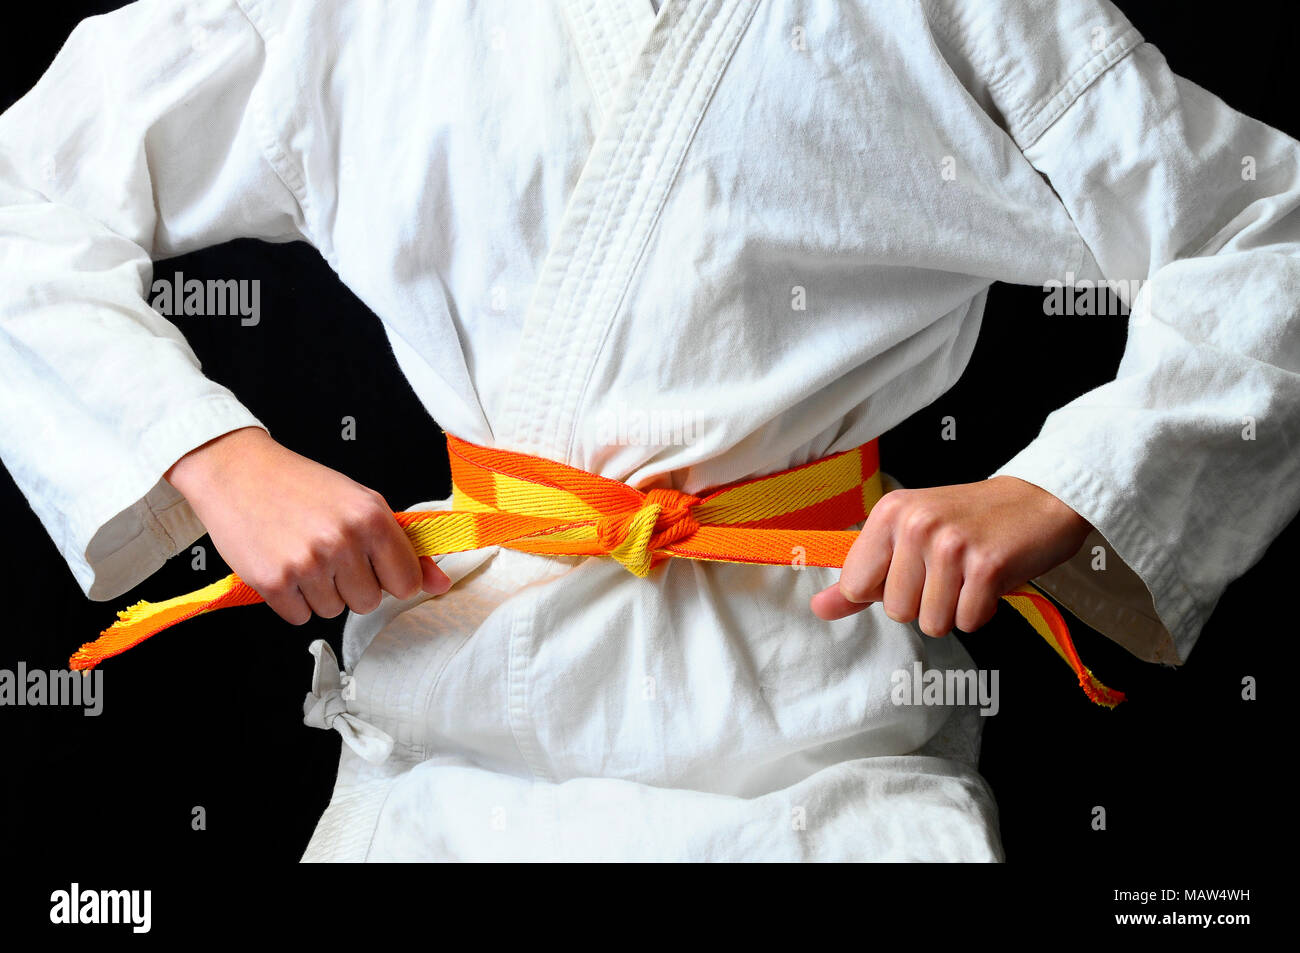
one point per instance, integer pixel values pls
(208, 464)
(1057, 512)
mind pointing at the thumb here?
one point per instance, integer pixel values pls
(435, 581)
(830, 604)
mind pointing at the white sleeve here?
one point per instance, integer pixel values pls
(142, 141)
(1188, 463)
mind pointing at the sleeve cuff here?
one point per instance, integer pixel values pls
(1139, 599)
(142, 520)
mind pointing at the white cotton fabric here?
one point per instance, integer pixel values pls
(570, 213)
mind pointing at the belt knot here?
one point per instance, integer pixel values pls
(633, 536)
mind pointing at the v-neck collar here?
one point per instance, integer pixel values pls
(653, 109)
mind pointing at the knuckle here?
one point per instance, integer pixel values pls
(278, 582)
(899, 613)
(853, 588)
(325, 546)
(303, 567)
(293, 614)
(887, 505)
(363, 524)
(356, 527)
(349, 533)
(406, 588)
(968, 620)
(331, 611)
(920, 522)
(934, 628)
(949, 544)
(366, 604)
(984, 569)
(262, 583)
(375, 514)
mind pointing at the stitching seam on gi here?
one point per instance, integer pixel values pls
(557, 321)
(272, 151)
(422, 750)
(996, 81)
(155, 526)
(589, 233)
(374, 827)
(1080, 246)
(1042, 117)
(576, 17)
(611, 49)
(621, 185)
(521, 726)
(605, 244)
(1023, 118)
(633, 252)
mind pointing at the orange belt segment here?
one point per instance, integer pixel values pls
(797, 517)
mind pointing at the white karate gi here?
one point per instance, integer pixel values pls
(568, 213)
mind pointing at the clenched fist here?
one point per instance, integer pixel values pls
(945, 555)
(306, 537)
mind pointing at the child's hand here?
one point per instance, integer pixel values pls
(945, 555)
(306, 537)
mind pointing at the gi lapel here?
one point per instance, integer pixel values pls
(638, 147)
(609, 36)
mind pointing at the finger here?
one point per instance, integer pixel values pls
(322, 596)
(356, 582)
(865, 567)
(289, 605)
(435, 581)
(395, 563)
(939, 597)
(976, 605)
(904, 584)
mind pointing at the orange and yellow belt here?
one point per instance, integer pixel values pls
(793, 518)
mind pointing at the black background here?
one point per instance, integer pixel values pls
(211, 714)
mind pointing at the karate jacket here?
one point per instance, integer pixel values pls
(775, 221)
